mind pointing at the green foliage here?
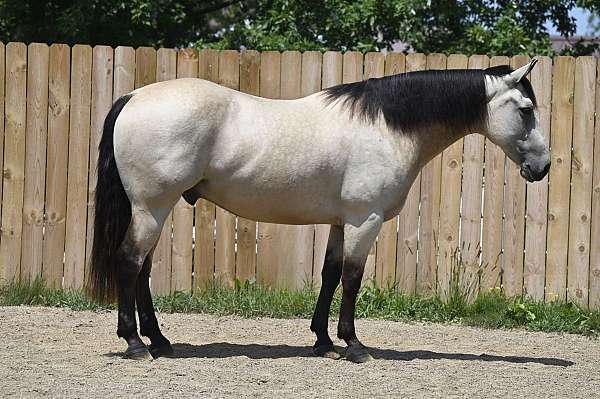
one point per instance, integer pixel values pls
(165, 23)
(489, 310)
(468, 26)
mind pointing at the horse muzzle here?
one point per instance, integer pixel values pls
(534, 174)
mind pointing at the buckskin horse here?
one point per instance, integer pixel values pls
(345, 156)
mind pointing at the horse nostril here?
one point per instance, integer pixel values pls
(546, 169)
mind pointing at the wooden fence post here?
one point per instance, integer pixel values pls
(35, 160)
(560, 177)
(77, 177)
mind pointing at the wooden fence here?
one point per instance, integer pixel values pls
(541, 239)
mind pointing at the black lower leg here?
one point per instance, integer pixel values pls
(346, 329)
(160, 346)
(351, 284)
(127, 327)
(332, 271)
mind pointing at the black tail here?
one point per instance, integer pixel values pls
(113, 214)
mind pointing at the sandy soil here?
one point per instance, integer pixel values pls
(63, 353)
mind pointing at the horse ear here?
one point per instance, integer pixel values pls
(515, 77)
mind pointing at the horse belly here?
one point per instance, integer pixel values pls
(287, 204)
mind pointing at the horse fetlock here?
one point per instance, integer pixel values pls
(346, 331)
(151, 331)
(127, 327)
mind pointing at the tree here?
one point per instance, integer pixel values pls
(136, 23)
(469, 26)
(491, 27)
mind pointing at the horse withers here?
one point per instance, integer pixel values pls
(346, 156)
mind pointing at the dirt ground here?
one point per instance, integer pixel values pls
(49, 352)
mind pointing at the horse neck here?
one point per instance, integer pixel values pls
(432, 141)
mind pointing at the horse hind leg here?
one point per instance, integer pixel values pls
(142, 234)
(159, 346)
(331, 274)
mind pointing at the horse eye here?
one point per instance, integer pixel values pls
(527, 111)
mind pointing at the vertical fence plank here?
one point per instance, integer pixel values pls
(385, 262)
(385, 246)
(166, 69)
(205, 213)
(145, 68)
(374, 65)
(124, 71)
(2, 93)
(472, 186)
(387, 242)
(35, 160)
(299, 77)
(581, 181)
(352, 71)
(56, 164)
(102, 85)
(270, 87)
(450, 200)
(595, 230)
(14, 160)
(290, 246)
(311, 80)
(245, 262)
(281, 245)
(406, 267)
(514, 220)
(77, 177)
(493, 198)
(534, 271)
(229, 76)
(183, 213)
(560, 177)
(431, 176)
(332, 76)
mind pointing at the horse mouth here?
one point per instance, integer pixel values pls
(526, 174)
(531, 177)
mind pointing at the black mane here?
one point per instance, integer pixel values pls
(408, 101)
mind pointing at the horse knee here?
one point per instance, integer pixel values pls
(332, 268)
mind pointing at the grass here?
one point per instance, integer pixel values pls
(490, 310)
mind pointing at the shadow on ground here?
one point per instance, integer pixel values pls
(221, 350)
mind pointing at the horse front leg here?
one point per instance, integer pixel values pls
(331, 274)
(159, 345)
(358, 239)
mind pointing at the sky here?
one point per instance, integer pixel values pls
(582, 22)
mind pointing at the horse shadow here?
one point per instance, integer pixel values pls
(221, 350)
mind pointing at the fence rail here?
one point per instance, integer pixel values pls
(468, 203)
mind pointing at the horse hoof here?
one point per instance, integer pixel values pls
(358, 354)
(137, 352)
(326, 351)
(164, 350)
